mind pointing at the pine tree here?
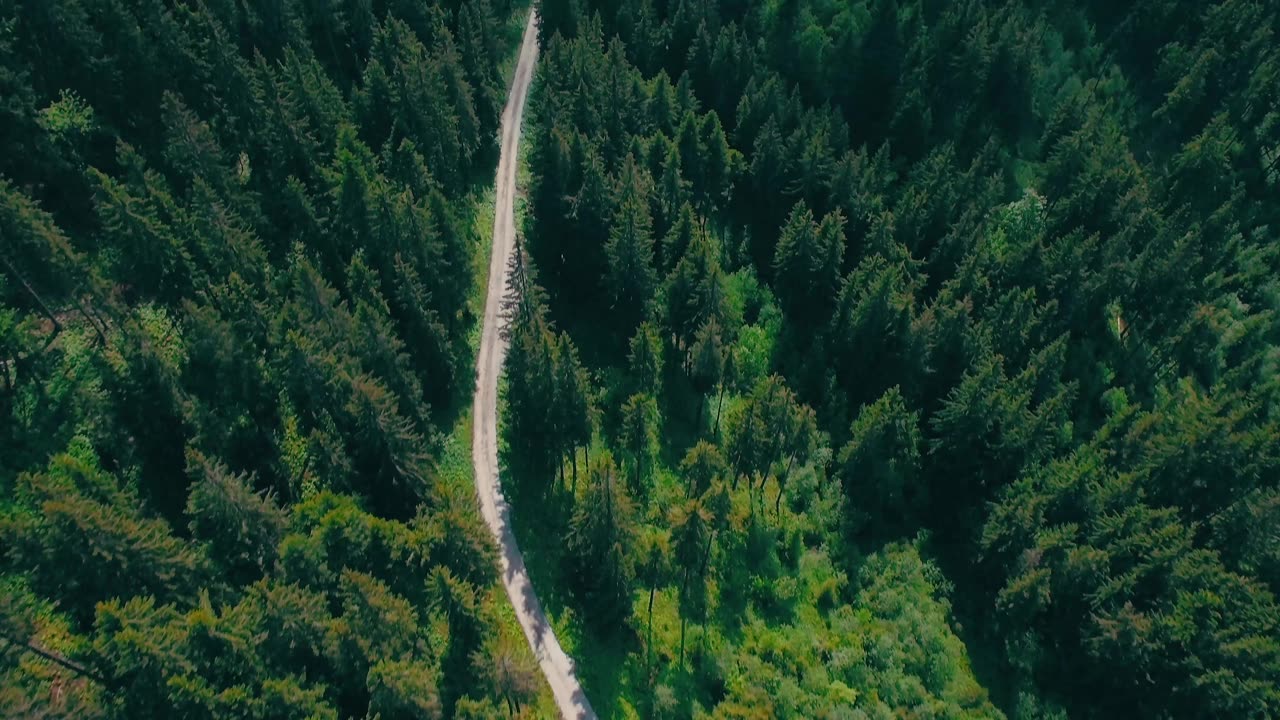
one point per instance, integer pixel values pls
(383, 354)
(458, 540)
(662, 102)
(508, 671)
(640, 431)
(461, 95)
(880, 467)
(138, 217)
(401, 689)
(592, 210)
(695, 292)
(690, 533)
(457, 601)
(531, 367)
(631, 278)
(598, 566)
(81, 517)
(707, 364)
(678, 240)
(388, 453)
(873, 310)
(702, 467)
(673, 197)
(375, 625)
(718, 163)
(807, 263)
(689, 144)
(425, 334)
(558, 16)
(644, 360)
(421, 95)
(242, 527)
(652, 565)
(479, 55)
(572, 410)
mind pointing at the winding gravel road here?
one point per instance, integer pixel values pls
(557, 666)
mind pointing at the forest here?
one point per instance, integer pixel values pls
(239, 245)
(868, 358)
(903, 358)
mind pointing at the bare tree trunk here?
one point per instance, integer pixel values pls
(777, 503)
(682, 624)
(649, 644)
(639, 467)
(706, 555)
(1272, 165)
(55, 658)
(702, 401)
(702, 641)
(57, 327)
(91, 314)
(719, 407)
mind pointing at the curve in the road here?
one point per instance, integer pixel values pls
(555, 664)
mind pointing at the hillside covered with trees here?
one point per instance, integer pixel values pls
(900, 358)
(237, 316)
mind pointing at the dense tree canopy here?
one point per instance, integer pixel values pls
(236, 243)
(918, 358)
(949, 320)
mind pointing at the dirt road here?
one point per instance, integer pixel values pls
(557, 666)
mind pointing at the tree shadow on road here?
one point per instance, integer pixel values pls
(541, 509)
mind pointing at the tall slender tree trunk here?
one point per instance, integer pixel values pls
(639, 467)
(54, 657)
(702, 640)
(684, 586)
(719, 407)
(682, 624)
(653, 588)
(95, 320)
(57, 327)
(777, 503)
(706, 554)
(1275, 162)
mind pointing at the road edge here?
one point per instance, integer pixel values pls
(556, 666)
